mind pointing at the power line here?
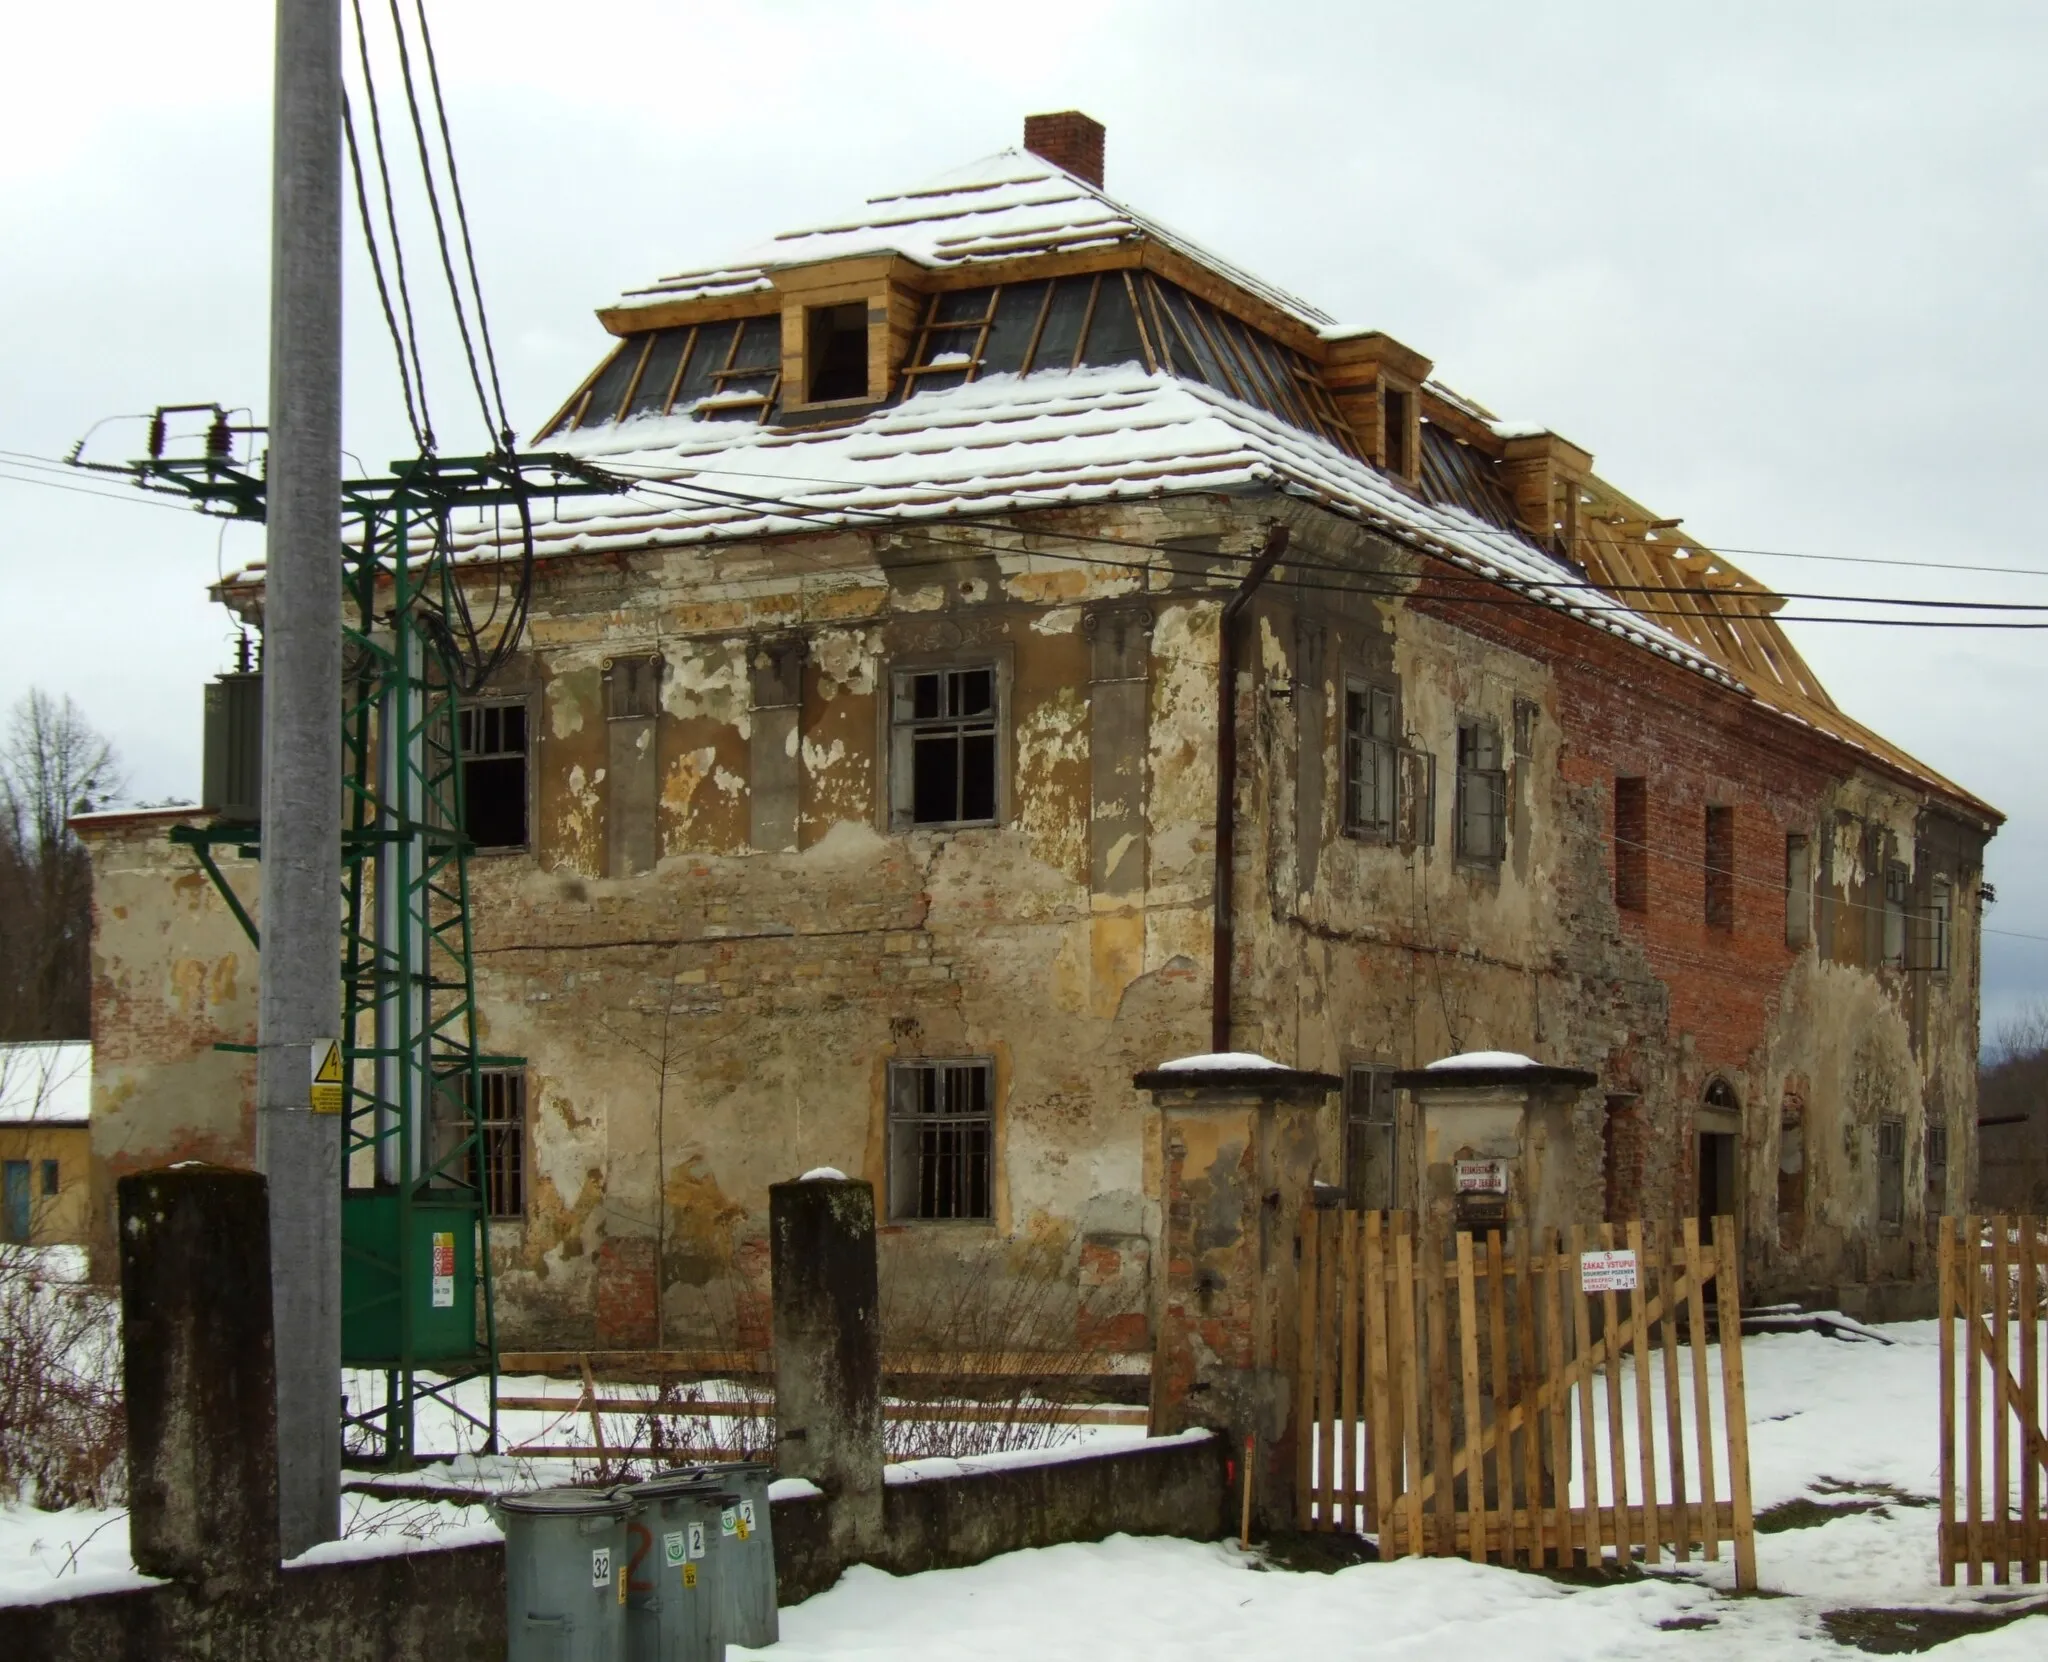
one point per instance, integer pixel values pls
(134, 499)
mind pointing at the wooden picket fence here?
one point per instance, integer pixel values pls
(1993, 1273)
(1437, 1388)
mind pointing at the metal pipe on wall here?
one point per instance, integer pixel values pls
(1223, 946)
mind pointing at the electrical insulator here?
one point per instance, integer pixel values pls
(220, 442)
(156, 436)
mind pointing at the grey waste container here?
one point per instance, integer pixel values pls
(565, 1575)
(675, 1562)
(747, 1578)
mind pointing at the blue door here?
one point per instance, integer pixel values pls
(16, 1216)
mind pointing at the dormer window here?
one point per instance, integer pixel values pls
(1397, 431)
(836, 353)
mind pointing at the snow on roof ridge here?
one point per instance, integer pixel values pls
(1221, 1061)
(1482, 1059)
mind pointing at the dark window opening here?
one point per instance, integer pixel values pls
(942, 1139)
(945, 721)
(1720, 863)
(50, 1184)
(836, 351)
(1936, 927)
(16, 1207)
(493, 748)
(1891, 1172)
(1937, 1167)
(1482, 793)
(1632, 844)
(1399, 408)
(1371, 1140)
(1371, 777)
(502, 1155)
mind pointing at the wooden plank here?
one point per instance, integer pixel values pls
(1702, 1400)
(1617, 1446)
(590, 1400)
(1501, 1386)
(1384, 1435)
(1305, 1373)
(1468, 1368)
(1735, 1400)
(2030, 1394)
(1589, 1460)
(1560, 1419)
(1525, 1386)
(1668, 1276)
(1973, 1402)
(1646, 1440)
(1326, 1374)
(1946, 1308)
(964, 1413)
(1352, 1292)
(2001, 1418)
(1411, 1384)
(1435, 1268)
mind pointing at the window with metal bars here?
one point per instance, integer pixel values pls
(1891, 1172)
(501, 1158)
(942, 1139)
(494, 759)
(945, 747)
(1371, 769)
(1371, 1139)
(1482, 793)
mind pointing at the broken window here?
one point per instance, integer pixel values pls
(493, 748)
(1896, 882)
(1371, 777)
(1891, 1172)
(944, 750)
(942, 1139)
(502, 1155)
(1370, 1140)
(836, 352)
(1398, 409)
(1632, 844)
(1720, 867)
(1482, 793)
(1798, 890)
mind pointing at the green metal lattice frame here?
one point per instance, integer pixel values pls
(413, 1140)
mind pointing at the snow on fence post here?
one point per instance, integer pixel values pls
(828, 1350)
(199, 1376)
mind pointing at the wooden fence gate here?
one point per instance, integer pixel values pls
(1994, 1274)
(1440, 1391)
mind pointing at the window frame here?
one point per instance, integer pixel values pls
(51, 1178)
(897, 799)
(1379, 1090)
(1891, 1172)
(1483, 731)
(1386, 752)
(529, 766)
(900, 1122)
(486, 1180)
(1894, 940)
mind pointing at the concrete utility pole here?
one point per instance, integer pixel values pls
(299, 988)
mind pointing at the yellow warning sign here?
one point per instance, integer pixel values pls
(325, 1092)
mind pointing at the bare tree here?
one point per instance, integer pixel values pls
(53, 764)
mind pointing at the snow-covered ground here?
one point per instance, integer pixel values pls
(1829, 1421)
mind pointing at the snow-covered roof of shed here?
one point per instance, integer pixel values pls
(1002, 207)
(46, 1083)
(1009, 443)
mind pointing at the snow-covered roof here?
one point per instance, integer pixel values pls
(1007, 443)
(1002, 207)
(46, 1083)
(1221, 1061)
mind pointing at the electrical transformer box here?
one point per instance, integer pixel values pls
(233, 771)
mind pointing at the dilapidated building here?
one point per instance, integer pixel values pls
(853, 798)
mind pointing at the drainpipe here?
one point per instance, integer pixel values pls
(1225, 884)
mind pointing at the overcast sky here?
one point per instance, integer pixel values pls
(1779, 267)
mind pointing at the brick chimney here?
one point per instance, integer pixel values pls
(1070, 140)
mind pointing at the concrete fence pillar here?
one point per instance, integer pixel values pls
(1242, 1147)
(828, 1351)
(199, 1376)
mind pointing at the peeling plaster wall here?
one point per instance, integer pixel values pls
(696, 1031)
